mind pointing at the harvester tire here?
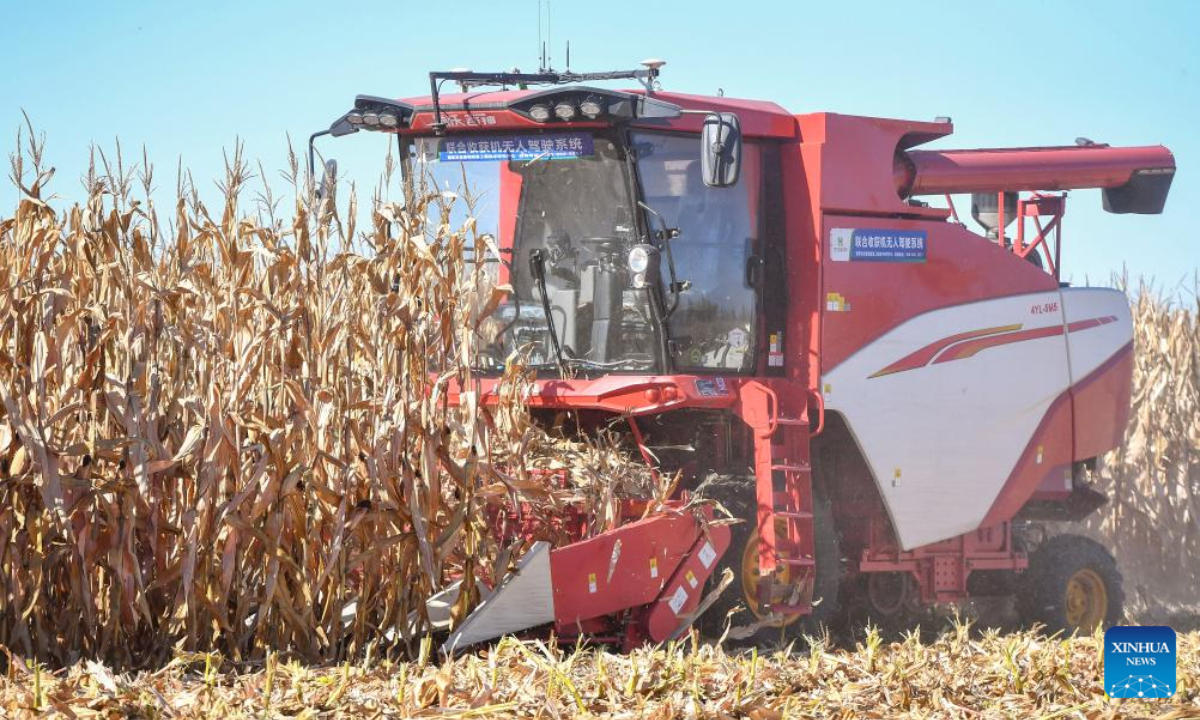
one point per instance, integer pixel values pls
(736, 494)
(1072, 585)
(860, 610)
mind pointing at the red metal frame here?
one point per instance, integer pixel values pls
(941, 570)
(1038, 206)
(632, 395)
(953, 210)
(636, 432)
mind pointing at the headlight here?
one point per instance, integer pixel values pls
(639, 259)
(373, 113)
(541, 113)
(591, 108)
(643, 265)
(565, 111)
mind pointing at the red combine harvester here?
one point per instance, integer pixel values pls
(894, 404)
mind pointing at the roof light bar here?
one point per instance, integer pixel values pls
(575, 103)
(466, 79)
(372, 113)
(565, 110)
(591, 107)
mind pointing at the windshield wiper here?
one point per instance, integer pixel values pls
(622, 364)
(534, 159)
(537, 266)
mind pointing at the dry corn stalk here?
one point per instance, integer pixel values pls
(1153, 518)
(235, 434)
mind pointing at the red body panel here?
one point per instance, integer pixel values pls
(660, 564)
(962, 267)
(613, 571)
(1045, 463)
(1084, 422)
(682, 594)
(854, 166)
(1102, 406)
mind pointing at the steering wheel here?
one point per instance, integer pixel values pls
(606, 244)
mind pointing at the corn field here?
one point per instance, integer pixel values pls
(1152, 520)
(226, 440)
(222, 430)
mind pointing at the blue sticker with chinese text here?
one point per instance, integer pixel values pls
(877, 245)
(550, 146)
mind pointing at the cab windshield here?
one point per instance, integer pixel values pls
(559, 207)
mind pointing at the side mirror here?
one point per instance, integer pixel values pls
(721, 150)
(328, 186)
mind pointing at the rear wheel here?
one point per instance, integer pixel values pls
(888, 601)
(738, 607)
(1072, 585)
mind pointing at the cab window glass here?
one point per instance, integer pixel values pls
(714, 324)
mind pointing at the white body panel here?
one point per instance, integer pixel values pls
(943, 437)
(1089, 349)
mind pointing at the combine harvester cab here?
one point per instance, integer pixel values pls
(891, 404)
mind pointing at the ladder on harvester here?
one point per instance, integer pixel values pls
(783, 481)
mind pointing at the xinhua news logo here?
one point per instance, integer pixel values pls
(1139, 662)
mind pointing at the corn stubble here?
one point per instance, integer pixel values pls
(963, 674)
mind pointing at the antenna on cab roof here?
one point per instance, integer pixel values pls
(544, 61)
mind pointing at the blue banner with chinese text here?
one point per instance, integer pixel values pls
(549, 146)
(887, 245)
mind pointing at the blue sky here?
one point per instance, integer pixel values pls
(188, 79)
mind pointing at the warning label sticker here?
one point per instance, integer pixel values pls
(707, 555)
(677, 600)
(711, 387)
(836, 302)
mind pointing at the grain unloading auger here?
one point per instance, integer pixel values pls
(893, 404)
